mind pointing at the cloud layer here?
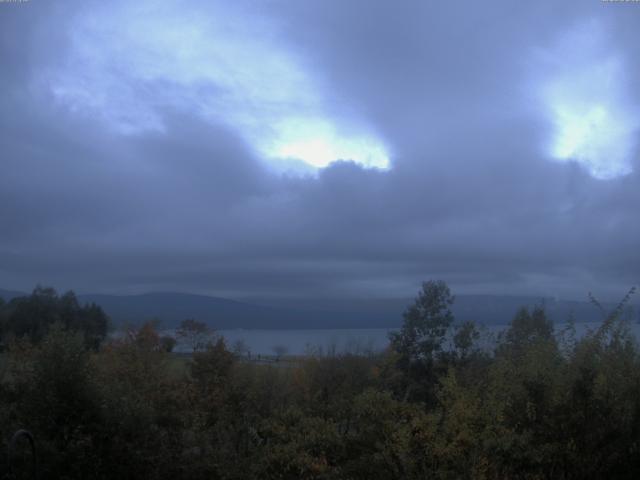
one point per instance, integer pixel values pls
(143, 148)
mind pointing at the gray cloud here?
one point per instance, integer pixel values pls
(473, 195)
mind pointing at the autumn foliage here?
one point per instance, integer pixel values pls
(537, 404)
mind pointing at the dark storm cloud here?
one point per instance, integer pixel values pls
(472, 196)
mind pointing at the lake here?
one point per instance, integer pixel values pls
(299, 342)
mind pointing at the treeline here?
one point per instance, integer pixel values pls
(31, 317)
(541, 404)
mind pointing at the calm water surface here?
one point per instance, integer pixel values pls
(299, 342)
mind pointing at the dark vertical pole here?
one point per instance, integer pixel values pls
(12, 446)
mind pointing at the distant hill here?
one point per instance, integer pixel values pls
(170, 308)
(483, 309)
(7, 295)
(222, 313)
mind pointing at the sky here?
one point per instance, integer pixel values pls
(320, 149)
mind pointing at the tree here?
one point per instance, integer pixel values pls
(32, 316)
(241, 349)
(426, 323)
(527, 329)
(419, 341)
(146, 337)
(464, 339)
(167, 343)
(211, 368)
(57, 398)
(3, 320)
(280, 351)
(193, 333)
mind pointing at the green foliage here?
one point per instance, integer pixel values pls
(56, 397)
(433, 405)
(527, 329)
(31, 317)
(426, 323)
(419, 343)
(465, 338)
(167, 343)
(211, 368)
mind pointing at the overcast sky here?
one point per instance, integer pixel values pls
(326, 148)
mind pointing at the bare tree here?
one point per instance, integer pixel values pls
(280, 351)
(194, 334)
(241, 349)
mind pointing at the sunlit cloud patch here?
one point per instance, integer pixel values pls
(129, 62)
(587, 101)
(319, 144)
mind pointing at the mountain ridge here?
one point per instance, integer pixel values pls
(222, 313)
